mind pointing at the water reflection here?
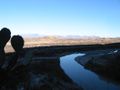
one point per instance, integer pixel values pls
(84, 78)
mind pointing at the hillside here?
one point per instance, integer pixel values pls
(55, 40)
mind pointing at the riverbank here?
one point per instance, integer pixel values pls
(83, 77)
(103, 62)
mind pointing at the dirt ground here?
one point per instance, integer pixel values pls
(59, 41)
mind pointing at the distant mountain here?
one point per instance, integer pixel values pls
(32, 35)
(60, 36)
(79, 37)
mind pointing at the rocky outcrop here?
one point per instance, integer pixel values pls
(40, 73)
(46, 74)
(46, 82)
(106, 64)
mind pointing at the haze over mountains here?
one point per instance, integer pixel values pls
(36, 40)
(35, 35)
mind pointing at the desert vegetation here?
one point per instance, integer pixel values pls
(62, 41)
(30, 69)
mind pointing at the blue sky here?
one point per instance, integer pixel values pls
(61, 17)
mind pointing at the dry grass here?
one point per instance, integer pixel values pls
(53, 41)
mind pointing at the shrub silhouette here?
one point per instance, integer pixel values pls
(9, 73)
(5, 35)
(17, 43)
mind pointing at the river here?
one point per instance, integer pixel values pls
(86, 79)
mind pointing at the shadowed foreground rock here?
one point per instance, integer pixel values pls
(46, 74)
(42, 74)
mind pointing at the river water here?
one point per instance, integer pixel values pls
(84, 78)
